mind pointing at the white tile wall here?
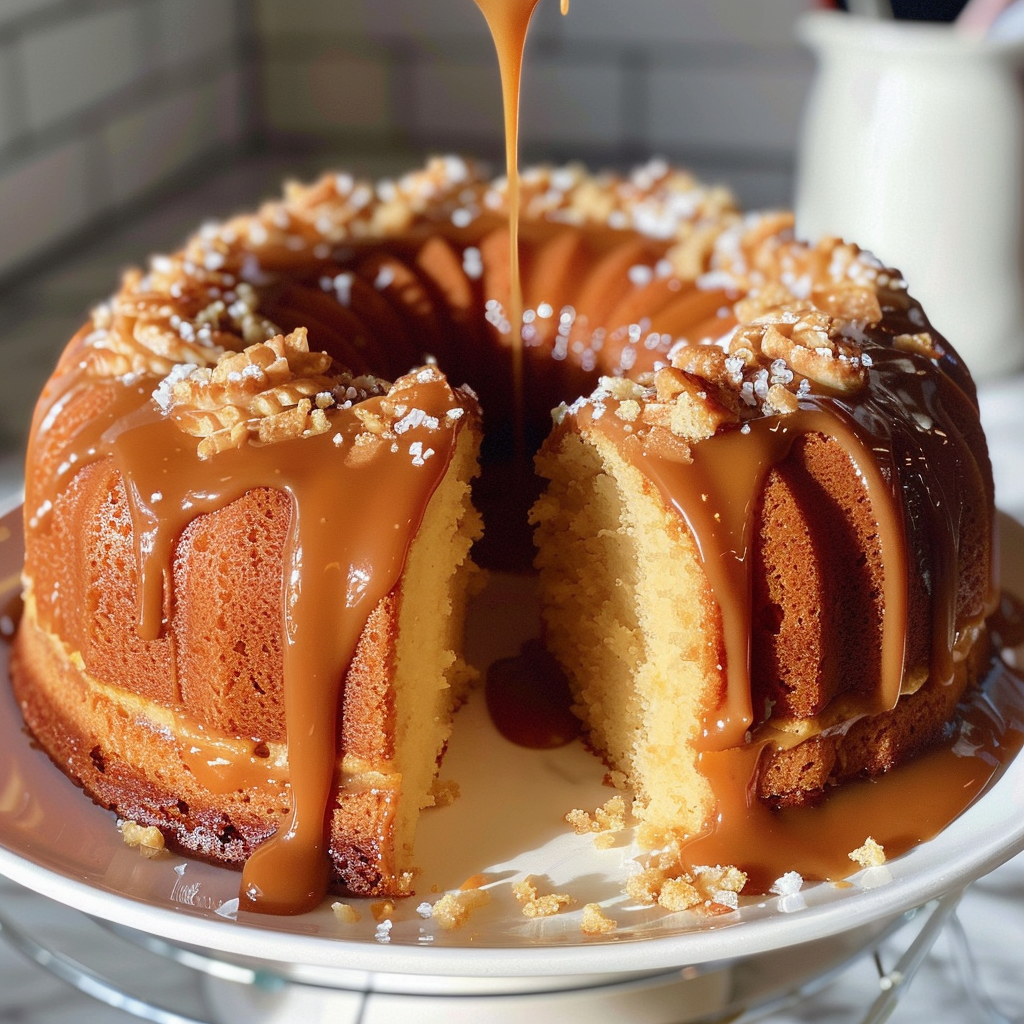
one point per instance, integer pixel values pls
(413, 19)
(8, 113)
(102, 101)
(454, 100)
(189, 28)
(42, 199)
(150, 145)
(757, 23)
(754, 108)
(13, 9)
(231, 112)
(330, 92)
(75, 63)
(566, 103)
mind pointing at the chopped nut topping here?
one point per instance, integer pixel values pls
(849, 303)
(595, 921)
(780, 400)
(609, 817)
(923, 344)
(688, 405)
(147, 838)
(345, 913)
(452, 910)
(621, 388)
(264, 394)
(382, 909)
(870, 855)
(628, 411)
(535, 905)
(807, 340)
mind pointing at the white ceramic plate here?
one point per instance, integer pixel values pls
(507, 823)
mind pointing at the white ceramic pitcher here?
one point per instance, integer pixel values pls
(913, 147)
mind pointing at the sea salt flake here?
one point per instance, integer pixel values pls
(416, 418)
(791, 882)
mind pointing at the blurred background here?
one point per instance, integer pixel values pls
(125, 123)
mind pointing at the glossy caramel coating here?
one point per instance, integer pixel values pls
(181, 593)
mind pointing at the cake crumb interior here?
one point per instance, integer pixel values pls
(431, 678)
(640, 663)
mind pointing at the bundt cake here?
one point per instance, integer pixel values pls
(768, 564)
(248, 552)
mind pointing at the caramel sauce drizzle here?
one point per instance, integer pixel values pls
(894, 453)
(717, 495)
(341, 558)
(529, 700)
(328, 592)
(224, 765)
(898, 809)
(509, 22)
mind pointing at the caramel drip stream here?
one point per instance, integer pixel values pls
(342, 556)
(509, 22)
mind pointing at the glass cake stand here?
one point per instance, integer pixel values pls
(655, 967)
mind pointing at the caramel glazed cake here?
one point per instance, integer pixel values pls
(248, 552)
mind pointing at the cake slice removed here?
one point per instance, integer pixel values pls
(629, 615)
(748, 608)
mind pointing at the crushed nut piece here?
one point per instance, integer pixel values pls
(345, 913)
(147, 838)
(609, 817)
(923, 344)
(452, 910)
(870, 855)
(382, 909)
(265, 393)
(595, 921)
(621, 388)
(628, 410)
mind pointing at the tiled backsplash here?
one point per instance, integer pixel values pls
(716, 84)
(102, 100)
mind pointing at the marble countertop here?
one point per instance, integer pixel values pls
(950, 985)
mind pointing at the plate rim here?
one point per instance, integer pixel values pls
(972, 845)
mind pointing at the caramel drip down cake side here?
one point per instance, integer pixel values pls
(767, 574)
